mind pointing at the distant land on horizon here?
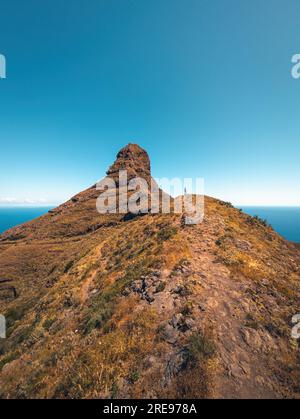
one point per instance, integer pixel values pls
(285, 220)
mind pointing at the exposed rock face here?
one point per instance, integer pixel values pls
(133, 159)
(114, 306)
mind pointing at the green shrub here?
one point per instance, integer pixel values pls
(135, 375)
(166, 233)
(22, 334)
(264, 222)
(15, 314)
(251, 322)
(68, 266)
(48, 323)
(114, 390)
(161, 286)
(187, 310)
(9, 358)
(200, 347)
(226, 204)
(257, 220)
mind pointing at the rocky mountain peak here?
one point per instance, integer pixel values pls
(135, 160)
(148, 307)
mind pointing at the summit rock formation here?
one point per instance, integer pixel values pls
(134, 160)
(105, 306)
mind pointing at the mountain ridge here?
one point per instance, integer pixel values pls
(100, 305)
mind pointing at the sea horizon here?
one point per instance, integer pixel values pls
(284, 219)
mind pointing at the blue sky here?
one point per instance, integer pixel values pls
(204, 85)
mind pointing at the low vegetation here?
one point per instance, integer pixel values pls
(112, 306)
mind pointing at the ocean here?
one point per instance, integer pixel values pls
(285, 220)
(12, 216)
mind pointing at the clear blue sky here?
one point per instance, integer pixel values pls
(204, 85)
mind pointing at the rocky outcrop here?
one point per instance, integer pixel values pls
(114, 305)
(133, 159)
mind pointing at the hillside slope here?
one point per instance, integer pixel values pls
(136, 307)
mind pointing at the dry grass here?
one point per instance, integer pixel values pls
(75, 331)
